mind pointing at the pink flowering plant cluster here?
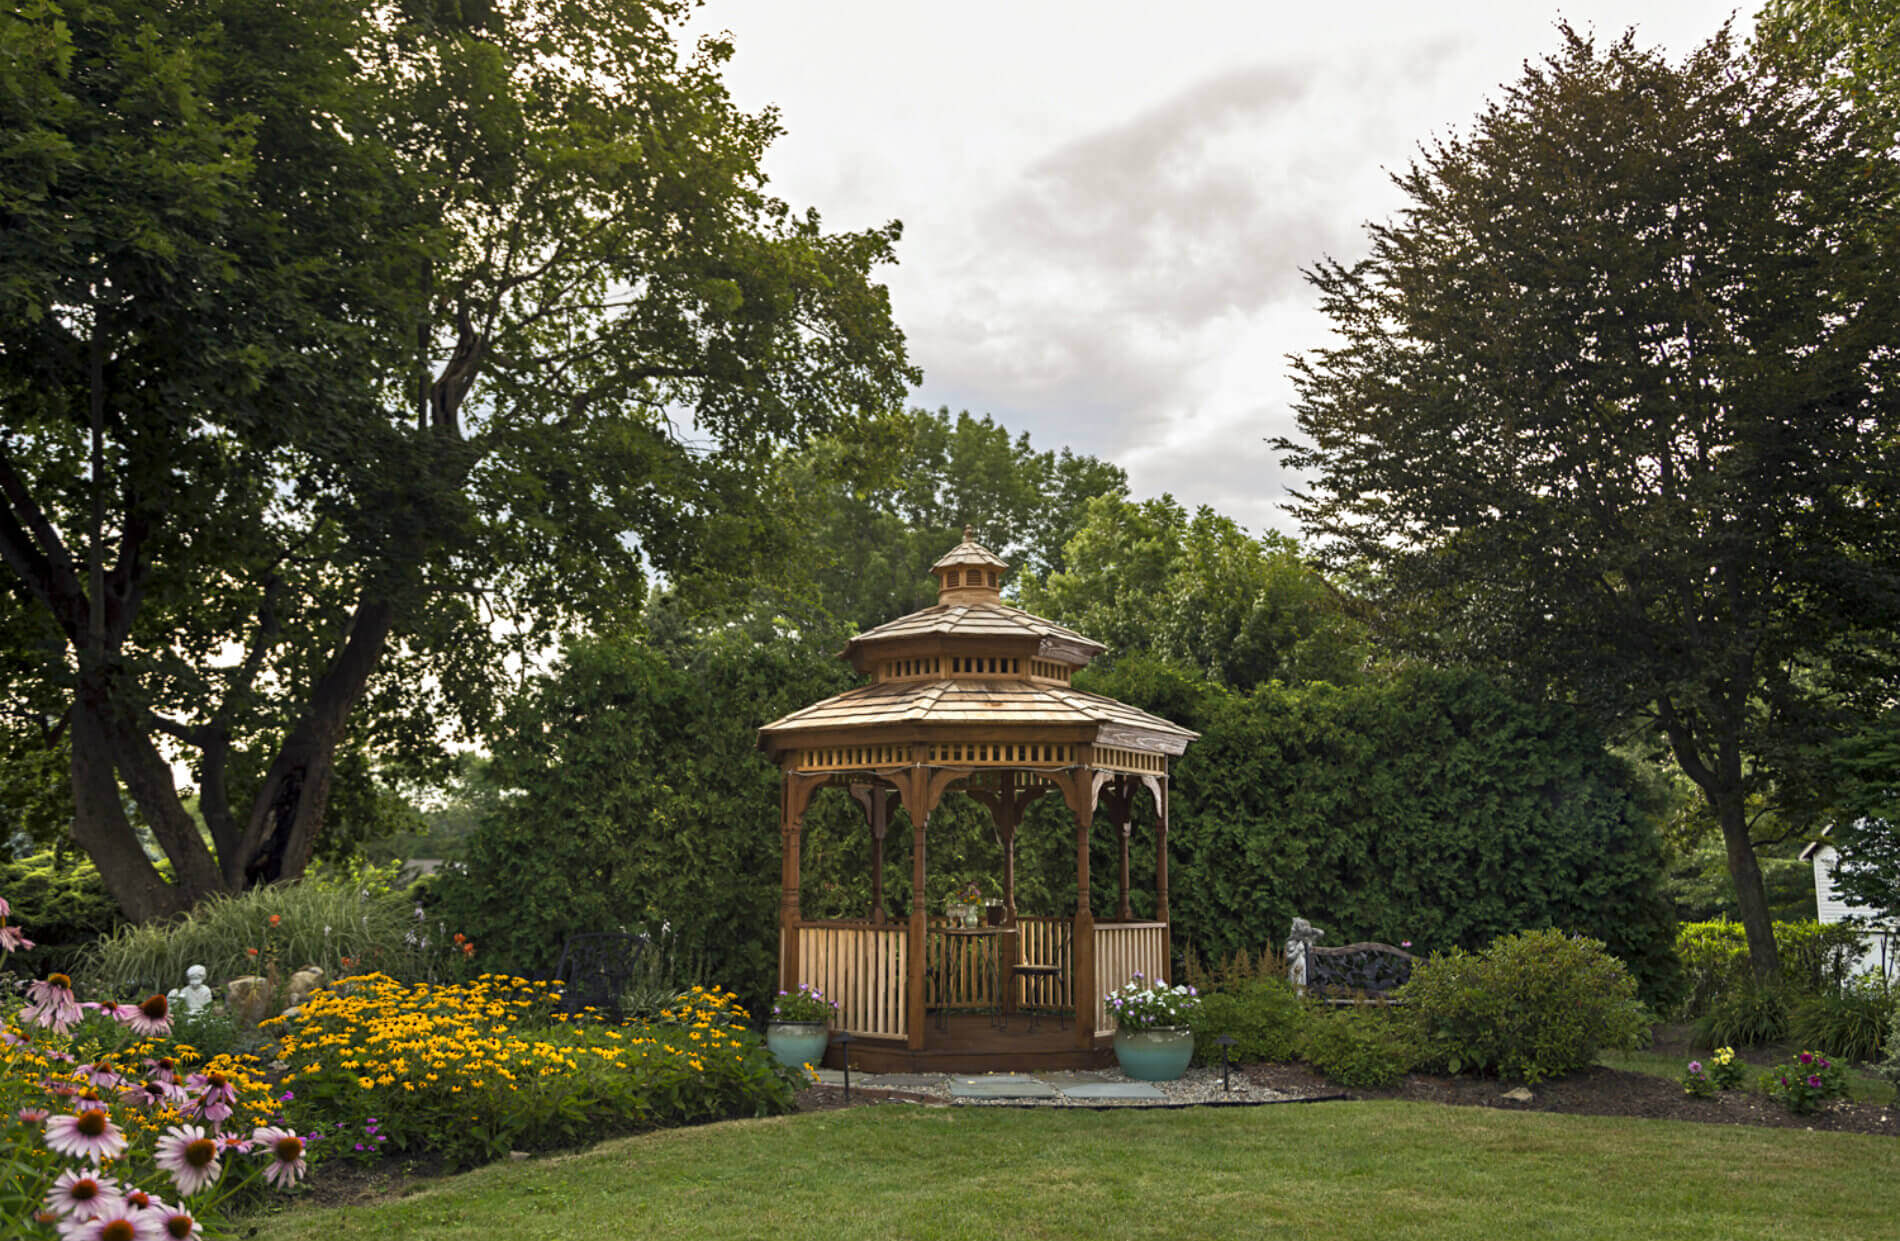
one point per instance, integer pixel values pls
(105, 1137)
(1141, 1004)
(1807, 1081)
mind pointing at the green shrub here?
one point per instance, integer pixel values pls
(1366, 1046)
(1264, 1015)
(344, 924)
(1750, 1015)
(1530, 1006)
(61, 903)
(1815, 957)
(1849, 1023)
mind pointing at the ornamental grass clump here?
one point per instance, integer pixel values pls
(1143, 1005)
(110, 1128)
(806, 1004)
(470, 1072)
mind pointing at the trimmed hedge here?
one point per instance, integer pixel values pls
(1433, 806)
(1815, 957)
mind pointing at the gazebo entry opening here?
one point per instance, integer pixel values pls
(976, 695)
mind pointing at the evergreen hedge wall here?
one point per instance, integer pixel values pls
(1432, 806)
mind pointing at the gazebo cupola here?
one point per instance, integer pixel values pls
(969, 573)
(972, 694)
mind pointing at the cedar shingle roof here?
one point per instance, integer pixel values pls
(999, 702)
(975, 620)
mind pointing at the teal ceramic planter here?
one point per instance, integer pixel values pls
(797, 1043)
(1158, 1054)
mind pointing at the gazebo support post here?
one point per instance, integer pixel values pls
(1158, 789)
(1079, 789)
(914, 983)
(876, 800)
(794, 796)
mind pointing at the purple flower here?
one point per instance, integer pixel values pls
(1814, 1082)
(1806, 1058)
(1695, 1066)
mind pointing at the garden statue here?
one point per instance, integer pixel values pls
(194, 996)
(1302, 937)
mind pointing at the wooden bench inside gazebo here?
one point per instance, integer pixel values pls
(974, 694)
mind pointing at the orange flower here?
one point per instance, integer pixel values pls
(276, 918)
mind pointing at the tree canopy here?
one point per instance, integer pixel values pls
(1613, 408)
(346, 351)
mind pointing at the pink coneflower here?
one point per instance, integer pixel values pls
(218, 1094)
(180, 1225)
(190, 1156)
(120, 1225)
(88, 1135)
(33, 1115)
(79, 1194)
(12, 939)
(50, 1003)
(138, 1200)
(153, 1093)
(151, 1018)
(284, 1150)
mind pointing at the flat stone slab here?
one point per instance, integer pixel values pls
(1066, 1078)
(895, 1081)
(1000, 1086)
(1113, 1090)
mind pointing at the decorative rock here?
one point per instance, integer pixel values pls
(248, 1000)
(1521, 1094)
(302, 983)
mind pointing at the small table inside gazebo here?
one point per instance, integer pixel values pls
(976, 695)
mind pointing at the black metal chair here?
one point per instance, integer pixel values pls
(1049, 972)
(595, 970)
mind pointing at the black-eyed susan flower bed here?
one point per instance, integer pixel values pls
(473, 1071)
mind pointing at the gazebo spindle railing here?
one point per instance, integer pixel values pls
(1121, 949)
(861, 968)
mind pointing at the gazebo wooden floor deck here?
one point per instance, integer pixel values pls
(972, 1045)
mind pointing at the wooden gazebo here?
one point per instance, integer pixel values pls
(973, 694)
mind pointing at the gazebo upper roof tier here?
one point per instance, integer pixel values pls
(992, 624)
(1003, 710)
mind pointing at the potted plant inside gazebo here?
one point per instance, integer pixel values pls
(1152, 1040)
(800, 1026)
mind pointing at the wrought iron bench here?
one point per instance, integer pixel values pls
(1357, 973)
(595, 970)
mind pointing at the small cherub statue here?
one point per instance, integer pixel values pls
(194, 996)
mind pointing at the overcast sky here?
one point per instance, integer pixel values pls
(1106, 206)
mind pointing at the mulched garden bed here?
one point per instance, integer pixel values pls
(1602, 1092)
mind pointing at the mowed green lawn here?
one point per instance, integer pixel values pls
(1339, 1171)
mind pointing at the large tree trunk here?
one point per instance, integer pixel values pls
(1750, 893)
(100, 826)
(1721, 785)
(288, 811)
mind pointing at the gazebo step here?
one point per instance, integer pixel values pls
(972, 1045)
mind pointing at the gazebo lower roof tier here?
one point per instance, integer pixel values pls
(1005, 710)
(994, 624)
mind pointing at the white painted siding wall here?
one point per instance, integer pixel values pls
(1879, 948)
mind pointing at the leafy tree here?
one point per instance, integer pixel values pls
(630, 792)
(1614, 409)
(874, 517)
(346, 351)
(1199, 591)
(1852, 45)
(1865, 837)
